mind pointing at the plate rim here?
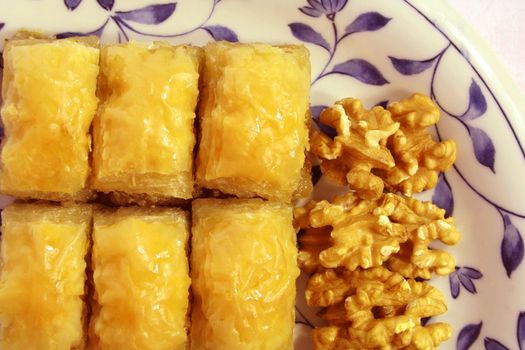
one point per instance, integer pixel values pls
(487, 65)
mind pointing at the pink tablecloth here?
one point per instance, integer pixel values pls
(502, 24)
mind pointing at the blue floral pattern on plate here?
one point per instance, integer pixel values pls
(152, 15)
(470, 333)
(468, 336)
(379, 51)
(358, 68)
(463, 277)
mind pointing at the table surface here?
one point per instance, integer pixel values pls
(501, 23)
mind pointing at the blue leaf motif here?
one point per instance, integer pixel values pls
(521, 330)
(425, 320)
(152, 14)
(221, 33)
(442, 196)
(329, 8)
(453, 280)
(316, 174)
(511, 246)
(314, 10)
(316, 112)
(468, 335)
(331, 5)
(367, 22)
(309, 11)
(307, 34)
(463, 276)
(362, 70)
(477, 105)
(411, 67)
(106, 4)
(483, 147)
(383, 104)
(72, 4)
(493, 344)
(471, 273)
(467, 283)
(97, 32)
(68, 35)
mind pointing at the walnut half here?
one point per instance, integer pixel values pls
(359, 147)
(425, 223)
(375, 309)
(379, 148)
(418, 157)
(394, 230)
(350, 232)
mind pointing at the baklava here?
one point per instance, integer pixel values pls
(254, 117)
(243, 268)
(42, 284)
(143, 132)
(141, 279)
(49, 98)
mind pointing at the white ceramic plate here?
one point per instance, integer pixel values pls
(377, 50)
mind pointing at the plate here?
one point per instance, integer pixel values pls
(379, 51)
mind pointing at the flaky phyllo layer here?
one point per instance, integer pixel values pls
(253, 119)
(48, 104)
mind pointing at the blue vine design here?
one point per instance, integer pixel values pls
(468, 335)
(512, 247)
(463, 277)
(2, 58)
(149, 15)
(493, 344)
(357, 68)
(430, 21)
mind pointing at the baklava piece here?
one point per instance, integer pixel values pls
(143, 132)
(244, 267)
(49, 98)
(254, 118)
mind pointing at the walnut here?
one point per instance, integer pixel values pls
(394, 230)
(349, 232)
(419, 338)
(366, 247)
(425, 223)
(358, 149)
(375, 309)
(418, 158)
